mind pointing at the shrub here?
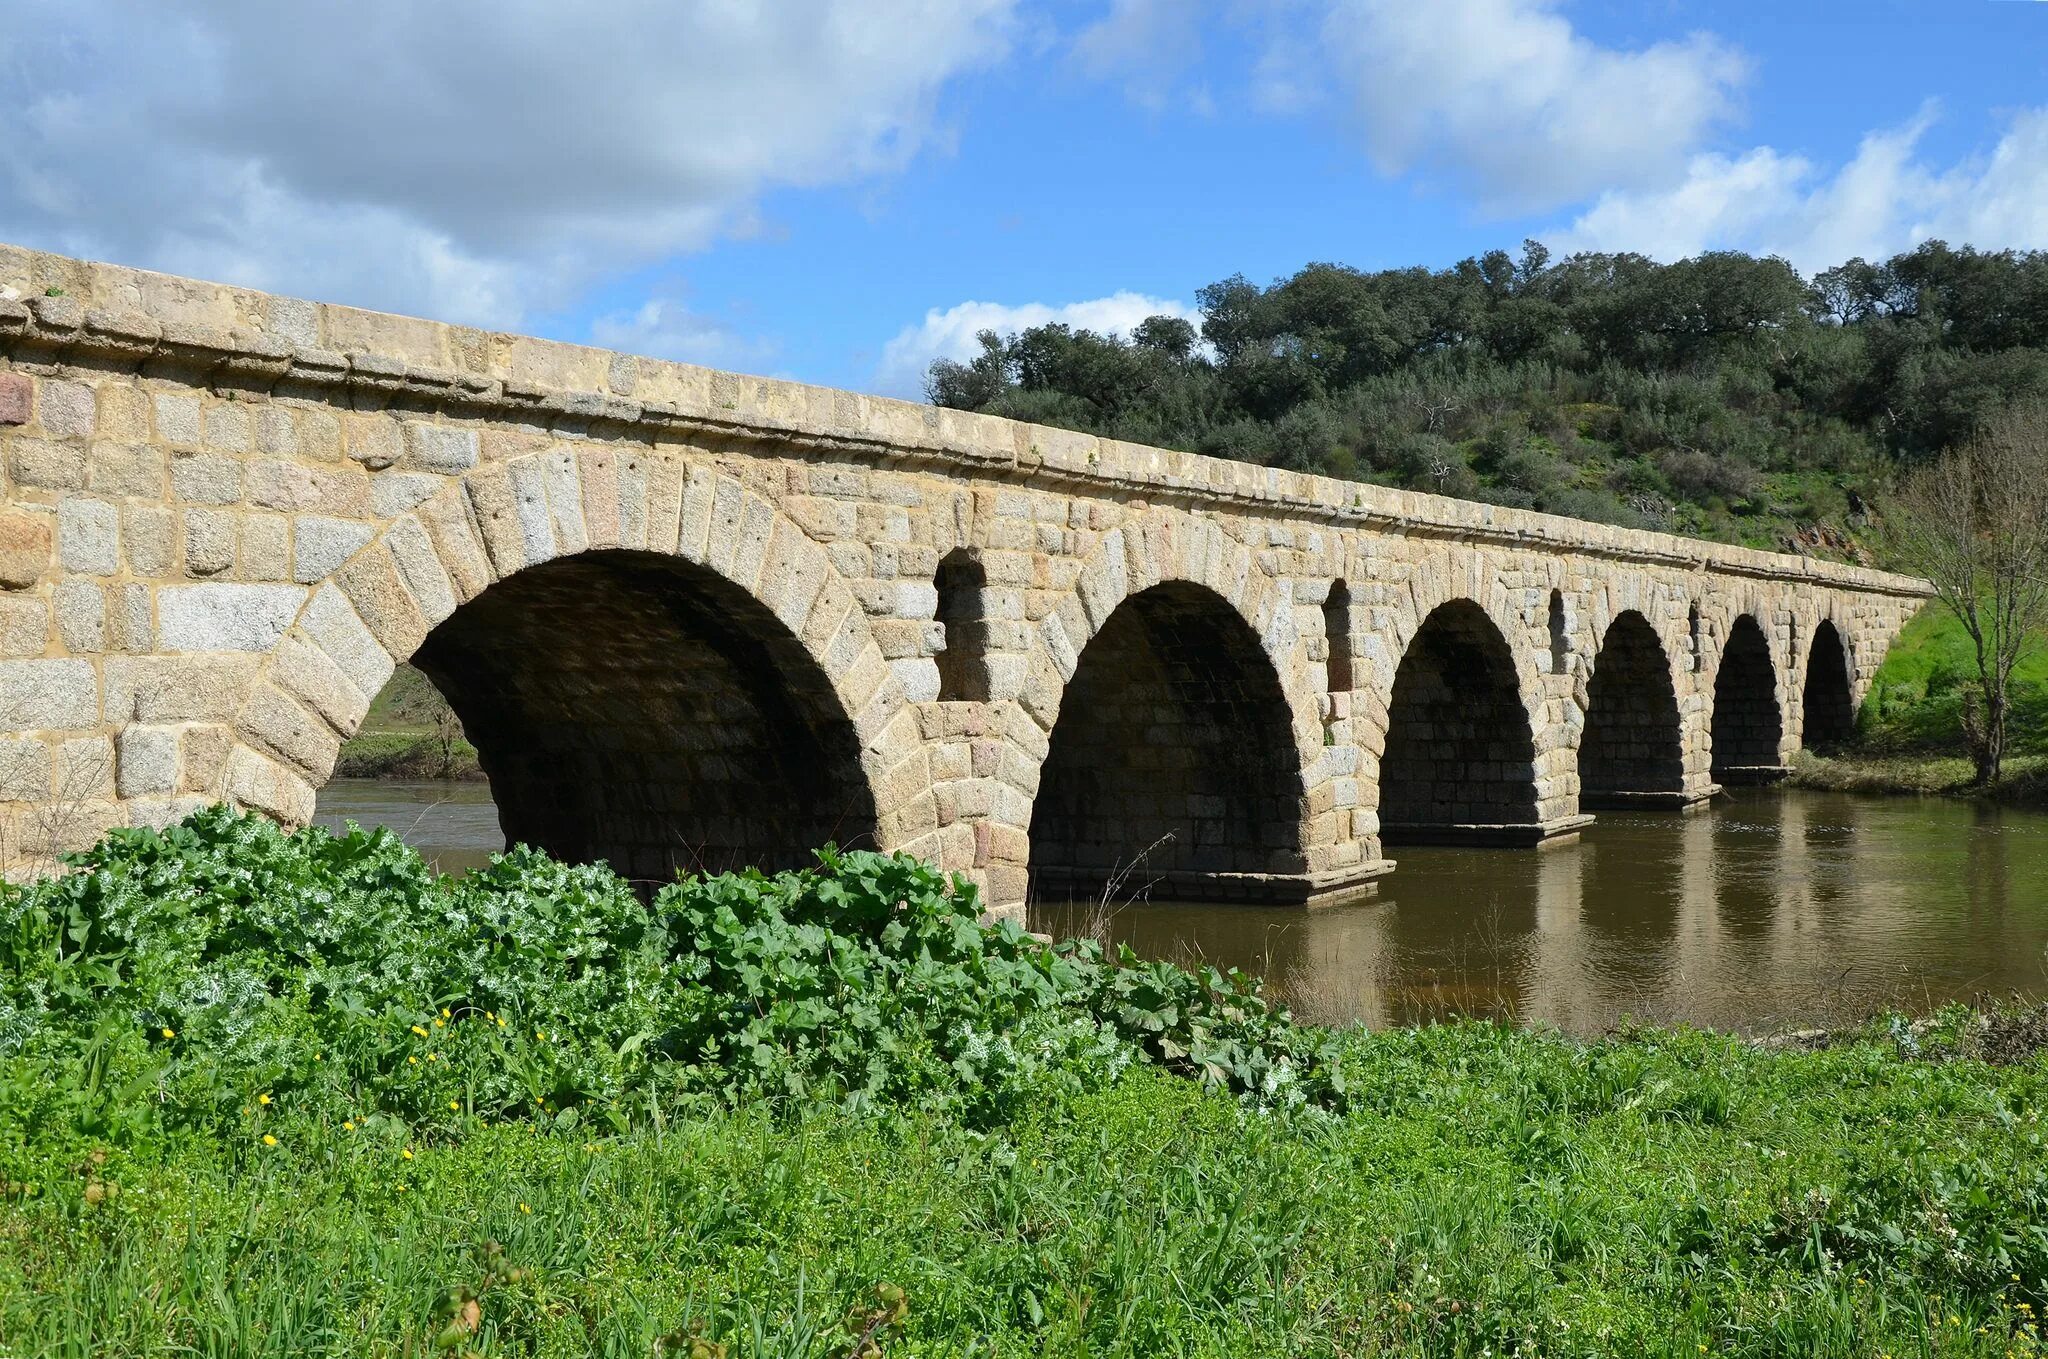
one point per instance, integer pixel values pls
(224, 968)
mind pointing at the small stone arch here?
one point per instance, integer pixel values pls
(1631, 748)
(1245, 611)
(1827, 693)
(1470, 579)
(521, 583)
(1748, 718)
(1459, 760)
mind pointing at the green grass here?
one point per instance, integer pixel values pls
(1915, 700)
(270, 1094)
(1492, 1191)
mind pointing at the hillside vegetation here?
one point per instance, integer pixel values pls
(270, 1094)
(1724, 396)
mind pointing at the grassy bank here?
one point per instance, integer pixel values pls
(2025, 780)
(269, 1094)
(409, 733)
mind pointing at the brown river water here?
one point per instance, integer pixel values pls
(1770, 909)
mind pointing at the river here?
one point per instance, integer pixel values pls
(1769, 909)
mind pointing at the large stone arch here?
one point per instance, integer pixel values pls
(1747, 705)
(1631, 749)
(1194, 565)
(1513, 615)
(547, 542)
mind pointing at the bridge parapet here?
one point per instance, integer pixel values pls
(665, 598)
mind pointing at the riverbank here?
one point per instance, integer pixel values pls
(293, 1094)
(2024, 782)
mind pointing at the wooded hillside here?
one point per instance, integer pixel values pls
(1723, 396)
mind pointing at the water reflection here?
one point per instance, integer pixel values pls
(1766, 909)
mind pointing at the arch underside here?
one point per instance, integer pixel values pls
(1459, 764)
(1748, 728)
(637, 708)
(1172, 765)
(1826, 700)
(1631, 753)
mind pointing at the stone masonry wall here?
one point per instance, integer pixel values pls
(225, 516)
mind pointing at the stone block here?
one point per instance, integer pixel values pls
(65, 409)
(45, 465)
(225, 617)
(194, 688)
(48, 695)
(320, 545)
(24, 626)
(148, 536)
(265, 553)
(332, 623)
(24, 770)
(203, 757)
(393, 493)
(89, 536)
(148, 761)
(447, 449)
(206, 478)
(84, 769)
(373, 441)
(81, 609)
(230, 428)
(17, 397)
(210, 538)
(177, 417)
(24, 548)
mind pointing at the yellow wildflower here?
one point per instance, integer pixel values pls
(538, 1034)
(420, 1031)
(445, 1014)
(405, 1155)
(269, 1141)
(440, 1023)
(453, 1105)
(263, 1099)
(348, 1125)
(170, 1032)
(524, 1209)
(412, 1061)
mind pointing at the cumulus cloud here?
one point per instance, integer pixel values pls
(1147, 45)
(1505, 99)
(480, 161)
(664, 326)
(1885, 199)
(950, 334)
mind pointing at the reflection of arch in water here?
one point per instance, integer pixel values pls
(1459, 763)
(1172, 757)
(1826, 700)
(1747, 728)
(1630, 753)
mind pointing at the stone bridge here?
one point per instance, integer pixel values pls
(691, 619)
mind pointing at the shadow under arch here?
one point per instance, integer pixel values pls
(1826, 701)
(1459, 761)
(1747, 728)
(1631, 753)
(640, 708)
(1172, 762)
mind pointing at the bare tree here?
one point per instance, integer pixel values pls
(1975, 523)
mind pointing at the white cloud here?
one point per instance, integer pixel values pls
(665, 327)
(479, 161)
(949, 334)
(1887, 198)
(1507, 100)
(1147, 44)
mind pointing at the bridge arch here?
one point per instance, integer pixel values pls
(1631, 749)
(1459, 758)
(1748, 721)
(1176, 654)
(680, 691)
(1827, 702)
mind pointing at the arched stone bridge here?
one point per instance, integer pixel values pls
(695, 619)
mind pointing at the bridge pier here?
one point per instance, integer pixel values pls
(696, 620)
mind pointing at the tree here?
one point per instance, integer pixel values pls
(1975, 523)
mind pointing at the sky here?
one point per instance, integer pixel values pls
(841, 190)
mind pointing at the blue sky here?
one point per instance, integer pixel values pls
(837, 190)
